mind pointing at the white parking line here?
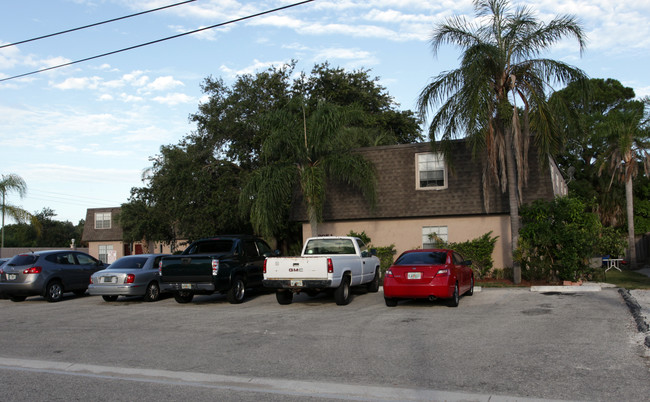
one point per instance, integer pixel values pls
(246, 384)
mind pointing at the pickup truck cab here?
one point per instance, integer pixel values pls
(223, 264)
(326, 263)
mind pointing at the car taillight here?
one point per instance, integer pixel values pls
(264, 266)
(330, 266)
(215, 267)
(442, 272)
(33, 270)
(91, 280)
(389, 274)
(130, 278)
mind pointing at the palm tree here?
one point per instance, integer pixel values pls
(306, 147)
(9, 183)
(629, 139)
(498, 94)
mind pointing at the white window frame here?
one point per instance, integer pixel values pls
(438, 162)
(103, 220)
(441, 231)
(103, 250)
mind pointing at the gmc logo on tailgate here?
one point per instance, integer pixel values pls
(295, 269)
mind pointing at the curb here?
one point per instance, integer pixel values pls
(566, 289)
(635, 309)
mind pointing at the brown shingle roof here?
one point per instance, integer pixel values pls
(92, 234)
(397, 196)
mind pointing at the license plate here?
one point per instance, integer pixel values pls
(296, 283)
(186, 286)
(11, 277)
(414, 275)
(109, 279)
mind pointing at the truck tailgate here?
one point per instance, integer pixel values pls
(296, 268)
(186, 269)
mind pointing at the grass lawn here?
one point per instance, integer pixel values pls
(626, 279)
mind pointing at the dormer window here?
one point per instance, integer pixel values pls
(431, 171)
(102, 220)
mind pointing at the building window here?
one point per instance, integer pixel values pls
(431, 233)
(431, 172)
(104, 250)
(103, 220)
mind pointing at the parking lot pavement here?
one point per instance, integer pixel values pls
(498, 343)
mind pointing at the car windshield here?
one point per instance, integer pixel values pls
(330, 246)
(23, 259)
(129, 262)
(426, 258)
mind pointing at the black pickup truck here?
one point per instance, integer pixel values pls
(224, 264)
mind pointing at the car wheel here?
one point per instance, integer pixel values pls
(342, 293)
(453, 302)
(183, 297)
(237, 291)
(109, 298)
(80, 292)
(152, 293)
(17, 298)
(54, 292)
(390, 302)
(470, 292)
(284, 297)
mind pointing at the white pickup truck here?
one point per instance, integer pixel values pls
(334, 263)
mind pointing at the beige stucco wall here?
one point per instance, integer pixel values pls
(118, 246)
(406, 234)
(93, 248)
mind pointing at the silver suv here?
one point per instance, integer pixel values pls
(47, 273)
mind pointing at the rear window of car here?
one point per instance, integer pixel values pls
(23, 259)
(129, 262)
(330, 246)
(427, 258)
(210, 246)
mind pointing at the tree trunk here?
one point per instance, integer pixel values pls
(629, 202)
(313, 221)
(511, 176)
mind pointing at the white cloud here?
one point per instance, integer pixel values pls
(361, 57)
(79, 83)
(251, 69)
(135, 78)
(130, 98)
(173, 99)
(164, 84)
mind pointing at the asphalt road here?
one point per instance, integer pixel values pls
(500, 344)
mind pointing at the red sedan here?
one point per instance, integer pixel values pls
(428, 274)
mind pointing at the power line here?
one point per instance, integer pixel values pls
(159, 40)
(70, 197)
(95, 24)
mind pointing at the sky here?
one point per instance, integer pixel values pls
(81, 136)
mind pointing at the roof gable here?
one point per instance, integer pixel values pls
(90, 233)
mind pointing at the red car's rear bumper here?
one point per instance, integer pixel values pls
(441, 288)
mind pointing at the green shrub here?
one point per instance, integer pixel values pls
(557, 239)
(478, 250)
